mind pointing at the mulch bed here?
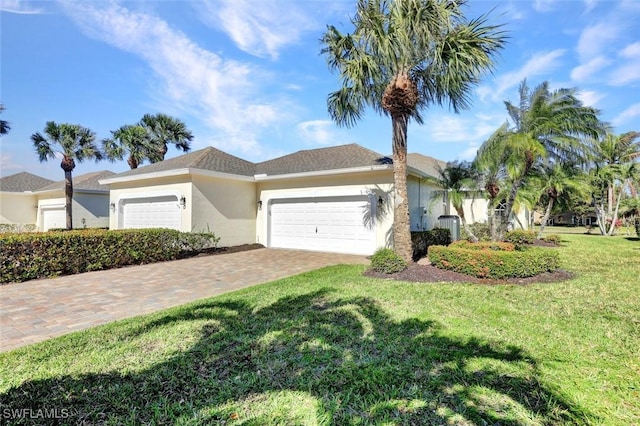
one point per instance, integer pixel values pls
(222, 250)
(431, 274)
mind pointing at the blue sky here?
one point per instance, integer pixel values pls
(246, 76)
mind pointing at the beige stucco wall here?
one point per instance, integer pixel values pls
(92, 207)
(225, 207)
(475, 210)
(18, 209)
(175, 185)
(423, 212)
(375, 184)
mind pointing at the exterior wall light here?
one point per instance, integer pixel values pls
(183, 202)
(260, 205)
(380, 202)
(113, 207)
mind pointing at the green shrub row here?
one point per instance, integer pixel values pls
(421, 241)
(520, 237)
(485, 245)
(496, 264)
(41, 255)
(387, 261)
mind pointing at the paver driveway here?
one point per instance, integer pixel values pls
(38, 310)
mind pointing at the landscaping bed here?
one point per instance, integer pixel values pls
(431, 274)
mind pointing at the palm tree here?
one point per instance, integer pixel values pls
(131, 139)
(4, 125)
(402, 57)
(458, 181)
(558, 180)
(163, 130)
(72, 142)
(546, 126)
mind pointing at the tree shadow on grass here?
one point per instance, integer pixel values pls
(311, 359)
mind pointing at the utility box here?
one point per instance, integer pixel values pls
(452, 223)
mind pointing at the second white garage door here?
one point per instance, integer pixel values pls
(338, 224)
(53, 218)
(155, 212)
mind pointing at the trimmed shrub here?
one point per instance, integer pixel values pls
(387, 261)
(421, 241)
(520, 237)
(485, 245)
(496, 264)
(41, 255)
(553, 238)
(479, 229)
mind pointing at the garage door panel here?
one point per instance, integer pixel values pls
(156, 212)
(333, 224)
(54, 218)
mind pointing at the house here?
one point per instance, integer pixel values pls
(18, 205)
(336, 199)
(27, 200)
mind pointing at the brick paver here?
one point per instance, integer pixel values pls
(38, 310)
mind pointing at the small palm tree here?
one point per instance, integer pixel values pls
(163, 130)
(546, 126)
(72, 142)
(458, 182)
(402, 57)
(131, 140)
(4, 125)
(558, 180)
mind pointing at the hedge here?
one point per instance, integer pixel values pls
(387, 261)
(41, 255)
(421, 241)
(496, 264)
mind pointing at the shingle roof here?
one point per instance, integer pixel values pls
(87, 182)
(208, 158)
(425, 164)
(331, 158)
(23, 181)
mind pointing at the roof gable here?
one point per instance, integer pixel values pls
(321, 159)
(209, 158)
(86, 182)
(427, 165)
(23, 181)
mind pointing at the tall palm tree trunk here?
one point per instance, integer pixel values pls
(545, 218)
(465, 225)
(401, 225)
(68, 164)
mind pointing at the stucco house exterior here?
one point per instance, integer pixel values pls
(336, 199)
(27, 200)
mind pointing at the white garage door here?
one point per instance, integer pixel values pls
(340, 224)
(156, 212)
(54, 218)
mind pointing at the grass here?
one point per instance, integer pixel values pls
(334, 347)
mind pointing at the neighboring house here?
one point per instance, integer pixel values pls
(337, 199)
(27, 199)
(18, 205)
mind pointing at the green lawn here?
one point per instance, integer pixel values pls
(334, 347)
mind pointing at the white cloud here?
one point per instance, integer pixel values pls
(543, 5)
(20, 7)
(223, 93)
(540, 64)
(589, 5)
(260, 28)
(584, 71)
(594, 39)
(318, 132)
(629, 70)
(590, 98)
(626, 115)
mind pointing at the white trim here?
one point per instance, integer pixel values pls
(150, 194)
(175, 172)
